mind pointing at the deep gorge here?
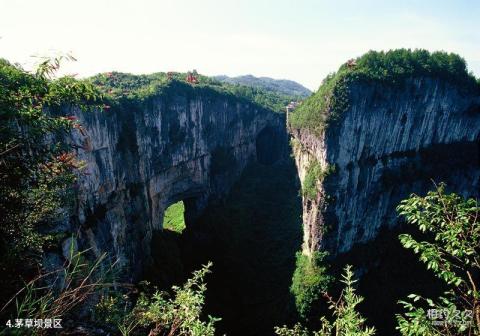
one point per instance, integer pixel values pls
(239, 168)
(187, 144)
(228, 159)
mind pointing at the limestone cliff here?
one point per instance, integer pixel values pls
(391, 141)
(185, 143)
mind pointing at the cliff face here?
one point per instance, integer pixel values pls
(186, 144)
(390, 142)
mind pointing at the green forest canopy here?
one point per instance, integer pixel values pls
(391, 67)
(117, 85)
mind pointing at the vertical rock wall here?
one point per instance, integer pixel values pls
(392, 141)
(184, 144)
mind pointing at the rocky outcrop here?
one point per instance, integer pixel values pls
(392, 140)
(185, 143)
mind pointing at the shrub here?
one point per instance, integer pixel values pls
(309, 187)
(309, 281)
(36, 171)
(452, 229)
(315, 175)
(55, 294)
(161, 314)
(348, 321)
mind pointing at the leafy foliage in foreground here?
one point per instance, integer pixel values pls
(160, 314)
(390, 68)
(451, 250)
(36, 172)
(56, 294)
(453, 255)
(348, 321)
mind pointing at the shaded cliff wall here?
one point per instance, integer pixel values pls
(392, 141)
(186, 144)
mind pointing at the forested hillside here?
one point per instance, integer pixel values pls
(282, 86)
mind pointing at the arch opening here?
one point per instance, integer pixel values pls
(174, 217)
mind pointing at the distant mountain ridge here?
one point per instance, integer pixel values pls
(283, 86)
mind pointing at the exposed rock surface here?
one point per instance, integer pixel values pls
(392, 141)
(186, 144)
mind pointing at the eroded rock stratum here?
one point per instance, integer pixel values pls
(185, 143)
(392, 140)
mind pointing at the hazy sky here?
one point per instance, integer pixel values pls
(302, 40)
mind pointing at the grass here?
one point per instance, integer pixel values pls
(173, 219)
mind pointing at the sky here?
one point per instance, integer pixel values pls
(301, 40)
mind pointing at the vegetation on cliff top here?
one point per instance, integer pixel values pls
(117, 85)
(391, 68)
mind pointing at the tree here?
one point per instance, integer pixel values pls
(160, 314)
(36, 171)
(309, 281)
(452, 249)
(348, 321)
